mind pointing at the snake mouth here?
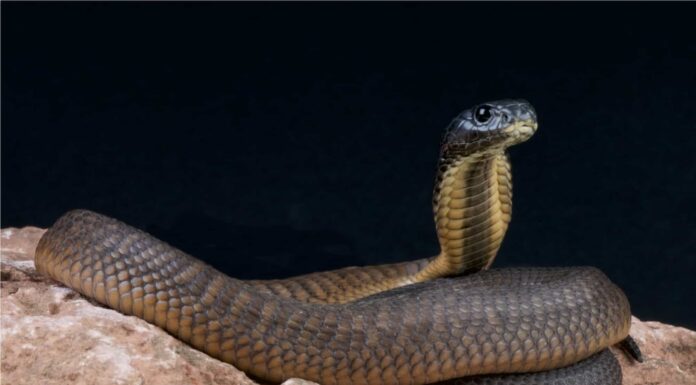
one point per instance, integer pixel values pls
(519, 132)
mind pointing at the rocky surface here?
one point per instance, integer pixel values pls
(52, 335)
(669, 354)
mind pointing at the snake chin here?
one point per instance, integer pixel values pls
(520, 132)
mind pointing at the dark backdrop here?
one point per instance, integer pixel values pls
(278, 139)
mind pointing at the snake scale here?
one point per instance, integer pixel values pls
(417, 322)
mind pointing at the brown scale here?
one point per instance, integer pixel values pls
(498, 321)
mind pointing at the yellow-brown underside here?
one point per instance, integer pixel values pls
(472, 206)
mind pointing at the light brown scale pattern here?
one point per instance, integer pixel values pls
(472, 204)
(498, 321)
(343, 285)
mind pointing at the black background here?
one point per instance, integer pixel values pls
(277, 139)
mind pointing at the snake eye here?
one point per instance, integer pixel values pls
(482, 113)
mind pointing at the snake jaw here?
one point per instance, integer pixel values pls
(520, 132)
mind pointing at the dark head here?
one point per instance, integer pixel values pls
(490, 128)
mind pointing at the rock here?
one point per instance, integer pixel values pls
(52, 335)
(669, 354)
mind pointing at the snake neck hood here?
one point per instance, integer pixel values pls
(472, 199)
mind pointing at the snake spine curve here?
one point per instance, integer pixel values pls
(416, 322)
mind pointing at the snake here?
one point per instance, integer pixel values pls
(449, 317)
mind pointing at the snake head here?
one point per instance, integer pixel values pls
(490, 128)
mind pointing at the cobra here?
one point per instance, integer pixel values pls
(416, 322)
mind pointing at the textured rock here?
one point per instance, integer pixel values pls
(669, 353)
(52, 335)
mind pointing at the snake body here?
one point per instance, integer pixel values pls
(472, 207)
(405, 323)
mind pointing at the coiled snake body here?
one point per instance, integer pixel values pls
(406, 323)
